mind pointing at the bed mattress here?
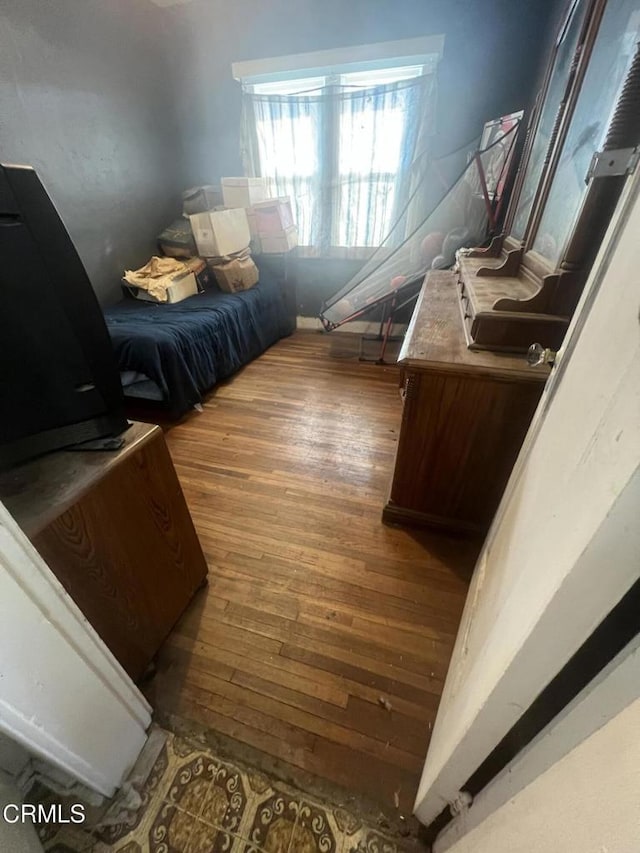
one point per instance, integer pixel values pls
(187, 347)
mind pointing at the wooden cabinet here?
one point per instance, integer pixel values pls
(465, 415)
(115, 529)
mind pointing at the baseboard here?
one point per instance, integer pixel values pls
(357, 327)
(394, 514)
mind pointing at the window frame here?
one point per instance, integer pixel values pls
(333, 66)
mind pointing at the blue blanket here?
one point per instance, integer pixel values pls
(188, 347)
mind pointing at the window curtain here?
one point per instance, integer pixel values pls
(348, 157)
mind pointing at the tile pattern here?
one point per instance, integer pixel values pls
(195, 802)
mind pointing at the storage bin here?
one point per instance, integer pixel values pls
(243, 192)
(220, 232)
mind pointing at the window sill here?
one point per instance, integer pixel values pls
(352, 253)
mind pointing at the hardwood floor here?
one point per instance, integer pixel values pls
(324, 636)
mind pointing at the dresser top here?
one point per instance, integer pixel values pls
(435, 339)
(38, 491)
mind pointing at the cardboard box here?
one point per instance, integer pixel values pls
(284, 241)
(204, 277)
(178, 290)
(252, 219)
(255, 245)
(220, 232)
(176, 241)
(201, 199)
(273, 216)
(243, 192)
(236, 274)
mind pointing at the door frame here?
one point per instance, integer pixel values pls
(613, 690)
(527, 675)
(63, 695)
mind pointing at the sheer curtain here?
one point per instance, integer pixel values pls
(346, 154)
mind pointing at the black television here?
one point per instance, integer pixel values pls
(59, 382)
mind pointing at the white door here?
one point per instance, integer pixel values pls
(565, 545)
(63, 696)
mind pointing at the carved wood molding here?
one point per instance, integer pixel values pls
(536, 304)
(509, 267)
(493, 250)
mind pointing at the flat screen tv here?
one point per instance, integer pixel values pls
(59, 383)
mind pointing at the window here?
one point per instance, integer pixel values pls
(338, 141)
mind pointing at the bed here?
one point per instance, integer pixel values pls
(175, 353)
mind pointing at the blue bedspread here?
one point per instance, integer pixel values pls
(187, 347)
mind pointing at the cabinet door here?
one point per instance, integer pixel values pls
(128, 554)
(460, 437)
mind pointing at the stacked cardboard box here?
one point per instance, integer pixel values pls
(235, 272)
(201, 199)
(274, 225)
(176, 241)
(222, 237)
(271, 223)
(226, 235)
(219, 233)
(165, 279)
(243, 192)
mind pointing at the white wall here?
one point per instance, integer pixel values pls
(63, 696)
(586, 803)
(565, 546)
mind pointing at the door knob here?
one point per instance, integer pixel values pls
(537, 354)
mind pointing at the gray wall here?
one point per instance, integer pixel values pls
(492, 54)
(120, 105)
(86, 98)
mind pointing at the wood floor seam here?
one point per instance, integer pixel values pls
(323, 637)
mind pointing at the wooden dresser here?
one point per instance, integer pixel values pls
(116, 531)
(465, 415)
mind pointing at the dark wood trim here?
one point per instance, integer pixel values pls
(536, 265)
(493, 250)
(532, 129)
(510, 244)
(509, 266)
(393, 514)
(565, 114)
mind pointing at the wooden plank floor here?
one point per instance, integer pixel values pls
(324, 636)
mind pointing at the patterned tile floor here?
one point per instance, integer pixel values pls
(194, 802)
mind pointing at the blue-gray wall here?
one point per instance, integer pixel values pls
(120, 104)
(86, 98)
(493, 50)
